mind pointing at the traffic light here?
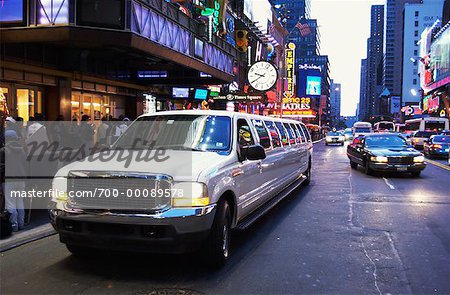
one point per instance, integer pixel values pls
(241, 40)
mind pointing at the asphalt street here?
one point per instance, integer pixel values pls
(347, 233)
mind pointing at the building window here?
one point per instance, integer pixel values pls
(415, 52)
(416, 23)
(416, 33)
(28, 103)
(416, 13)
(414, 81)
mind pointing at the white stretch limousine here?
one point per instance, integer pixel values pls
(207, 172)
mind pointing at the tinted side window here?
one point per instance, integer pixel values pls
(284, 136)
(300, 135)
(276, 141)
(291, 134)
(305, 131)
(244, 135)
(264, 138)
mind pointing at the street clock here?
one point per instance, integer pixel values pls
(262, 75)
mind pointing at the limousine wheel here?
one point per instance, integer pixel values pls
(354, 165)
(308, 175)
(218, 243)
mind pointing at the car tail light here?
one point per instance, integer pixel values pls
(436, 146)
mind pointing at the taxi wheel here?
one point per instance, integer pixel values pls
(218, 242)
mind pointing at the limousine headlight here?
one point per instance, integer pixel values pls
(379, 159)
(59, 192)
(419, 159)
(189, 194)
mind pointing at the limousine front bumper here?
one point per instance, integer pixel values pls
(176, 230)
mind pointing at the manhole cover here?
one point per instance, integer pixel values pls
(170, 291)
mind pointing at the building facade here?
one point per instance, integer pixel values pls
(393, 44)
(335, 102)
(362, 106)
(417, 17)
(373, 66)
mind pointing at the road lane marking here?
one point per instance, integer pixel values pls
(440, 165)
(388, 183)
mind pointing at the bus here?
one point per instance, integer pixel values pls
(429, 123)
(361, 128)
(384, 126)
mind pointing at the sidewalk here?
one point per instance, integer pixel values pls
(38, 228)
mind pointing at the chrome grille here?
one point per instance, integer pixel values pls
(118, 191)
(400, 160)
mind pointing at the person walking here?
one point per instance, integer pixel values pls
(15, 171)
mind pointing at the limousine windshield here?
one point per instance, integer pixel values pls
(178, 132)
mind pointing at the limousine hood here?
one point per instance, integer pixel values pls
(181, 165)
(394, 151)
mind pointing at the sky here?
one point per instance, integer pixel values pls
(344, 27)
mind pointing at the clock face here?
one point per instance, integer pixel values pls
(262, 75)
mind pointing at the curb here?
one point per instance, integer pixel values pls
(19, 239)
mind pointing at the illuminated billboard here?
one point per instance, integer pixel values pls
(313, 85)
(309, 82)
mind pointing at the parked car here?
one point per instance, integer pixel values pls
(385, 152)
(445, 132)
(220, 171)
(437, 145)
(418, 138)
(334, 138)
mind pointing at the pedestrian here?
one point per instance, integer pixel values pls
(15, 171)
(86, 132)
(102, 131)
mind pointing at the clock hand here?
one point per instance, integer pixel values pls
(260, 75)
(256, 79)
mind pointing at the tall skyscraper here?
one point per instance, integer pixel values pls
(335, 101)
(362, 105)
(393, 45)
(417, 17)
(373, 66)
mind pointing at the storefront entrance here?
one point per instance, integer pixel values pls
(96, 106)
(22, 100)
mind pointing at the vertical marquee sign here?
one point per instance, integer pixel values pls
(290, 68)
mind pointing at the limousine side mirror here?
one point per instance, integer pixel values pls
(254, 152)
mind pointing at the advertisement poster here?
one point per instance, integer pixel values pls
(313, 85)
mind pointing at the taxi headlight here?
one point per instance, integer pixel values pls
(379, 159)
(419, 159)
(189, 194)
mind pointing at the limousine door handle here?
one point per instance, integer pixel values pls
(236, 172)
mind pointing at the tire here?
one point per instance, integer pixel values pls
(78, 251)
(367, 168)
(307, 181)
(354, 165)
(218, 242)
(416, 173)
(326, 143)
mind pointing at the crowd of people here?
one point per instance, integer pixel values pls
(15, 138)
